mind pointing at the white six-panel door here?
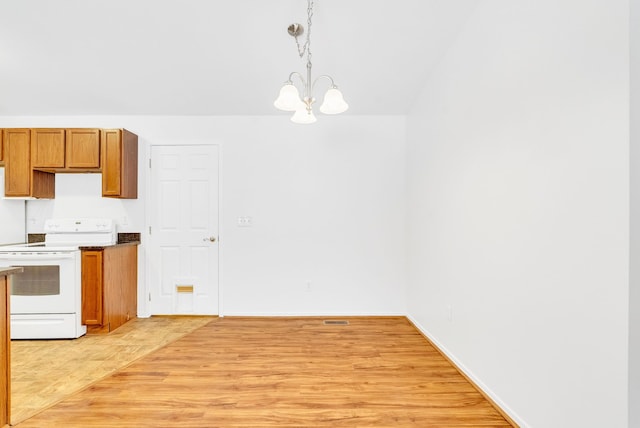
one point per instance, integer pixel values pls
(183, 240)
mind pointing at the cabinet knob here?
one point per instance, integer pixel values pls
(211, 238)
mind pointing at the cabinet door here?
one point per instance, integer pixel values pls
(1, 149)
(111, 162)
(17, 151)
(120, 284)
(119, 163)
(83, 148)
(47, 148)
(92, 288)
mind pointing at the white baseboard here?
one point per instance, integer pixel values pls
(313, 314)
(478, 383)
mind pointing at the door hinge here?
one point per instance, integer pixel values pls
(149, 296)
(149, 230)
(149, 162)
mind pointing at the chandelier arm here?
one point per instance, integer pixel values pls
(324, 76)
(295, 73)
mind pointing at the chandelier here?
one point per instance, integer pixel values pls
(289, 98)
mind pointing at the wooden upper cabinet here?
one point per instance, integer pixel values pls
(83, 148)
(33, 156)
(20, 179)
(47, 148)
(17, 173)
(119, 163)
(70, 150)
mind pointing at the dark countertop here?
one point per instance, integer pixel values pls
(124, 238)
(102, 247)
(10, 270)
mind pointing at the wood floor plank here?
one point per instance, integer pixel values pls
(44, 372)
(259, 372)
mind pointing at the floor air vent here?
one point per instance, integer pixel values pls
(335, 322)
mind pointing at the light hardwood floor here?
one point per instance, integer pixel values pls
(257, 372)
(44, 372)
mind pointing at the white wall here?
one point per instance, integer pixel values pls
(518, 184)
(327, 203)
(634, 280)
(80, 195)
(12, 227)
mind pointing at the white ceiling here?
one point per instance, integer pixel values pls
(213, 57)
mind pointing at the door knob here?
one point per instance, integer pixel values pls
(211, 238)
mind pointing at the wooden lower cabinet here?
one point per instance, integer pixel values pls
(109, 287)
(5, 353)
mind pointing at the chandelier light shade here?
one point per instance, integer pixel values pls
(289, 98)
(333, 102)
(303, 116)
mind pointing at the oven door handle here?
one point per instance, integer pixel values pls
(45, 257)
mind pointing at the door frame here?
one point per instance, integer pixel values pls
(144, 310)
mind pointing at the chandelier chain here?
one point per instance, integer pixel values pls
(307, 44)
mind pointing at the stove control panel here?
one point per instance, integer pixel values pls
(79, 225)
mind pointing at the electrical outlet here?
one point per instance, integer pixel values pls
(245, 221)
(307, 285)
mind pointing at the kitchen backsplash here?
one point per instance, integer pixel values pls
(123, 237)
(81, 198)
(35, 237)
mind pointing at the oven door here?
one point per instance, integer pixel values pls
(49, 284)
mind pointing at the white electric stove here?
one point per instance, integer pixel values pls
(46, 299)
